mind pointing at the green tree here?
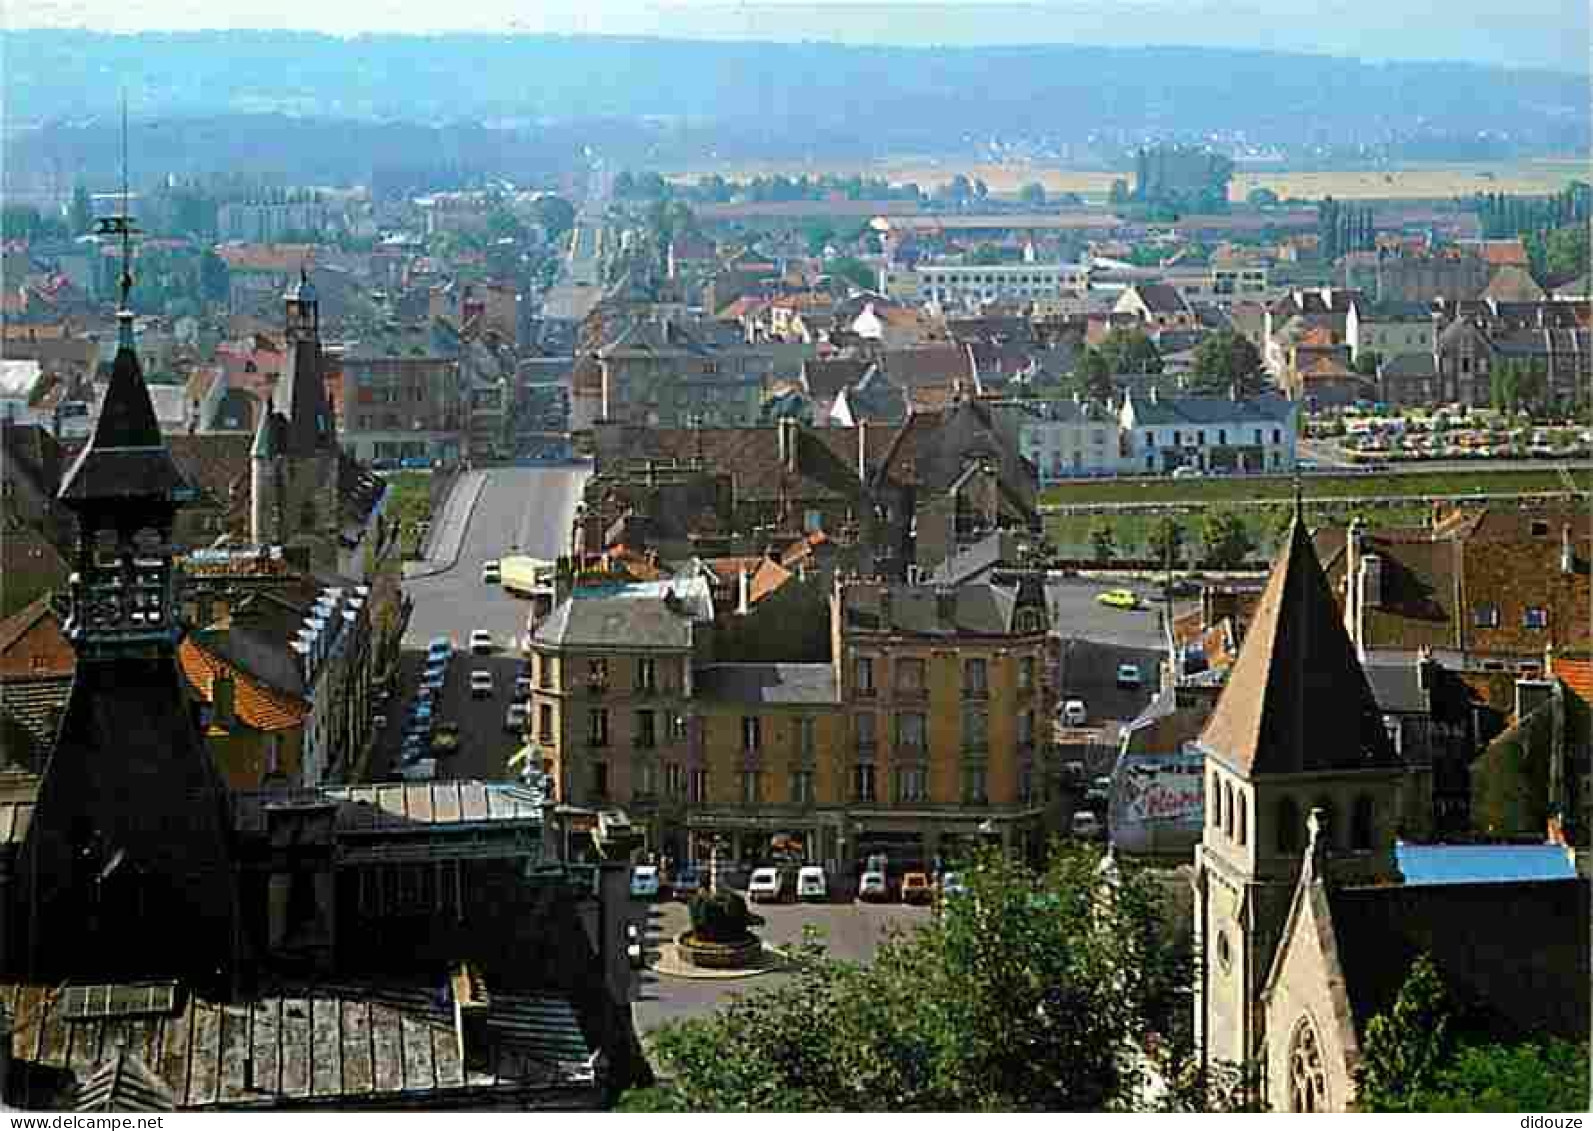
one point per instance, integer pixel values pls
(1092, 375)
(555, 214)
(1224, 360)
(1225, 538)
(1032, 194)
(1103, 540)
(854, 271)
(1130, 351)
(1366, 365)
(1166, 540)
(1023, 995)
(819, 236)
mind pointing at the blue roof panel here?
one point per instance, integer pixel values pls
(1425, 864)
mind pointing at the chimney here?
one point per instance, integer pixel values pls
(743, 593)
(1567, 551)
(471, 1005)
(1371, 576)
(862, 451)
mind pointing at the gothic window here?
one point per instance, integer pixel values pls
(1214, 802)
(1307, 1078)
(1361, 824)
(1227, 809)
(1288, 827)
(1239, 822)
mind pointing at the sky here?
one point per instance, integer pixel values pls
(1532, 33)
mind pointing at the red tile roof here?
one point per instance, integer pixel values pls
(258, 707)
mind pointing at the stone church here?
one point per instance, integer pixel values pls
(1304, 923)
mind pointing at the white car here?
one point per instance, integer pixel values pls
(1128, 675)
(522, 687)
(766, 886)
(491, 574)
(1074, 713)
(811, 883)
(480, 684)
(872, 886)
(481, 641)
(514, 721)
(1086, 825)
(644, 881)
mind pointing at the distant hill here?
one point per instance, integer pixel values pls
(793, 99)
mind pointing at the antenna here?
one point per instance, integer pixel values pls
(122, 226)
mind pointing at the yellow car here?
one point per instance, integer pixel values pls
(1119, 599)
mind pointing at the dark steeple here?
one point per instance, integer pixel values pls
(126, 870)
(301, 390)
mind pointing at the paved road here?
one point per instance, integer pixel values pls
(521, 510)
(850, 931)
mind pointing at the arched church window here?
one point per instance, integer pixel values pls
(1239, 817)
(1361, 824)
(1307, 1077)
(1227, 809)
(1214, 802)
(1288, 827)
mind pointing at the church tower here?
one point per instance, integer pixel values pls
(1296, 729)
(126, 869)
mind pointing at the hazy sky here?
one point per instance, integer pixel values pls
(1549, 33)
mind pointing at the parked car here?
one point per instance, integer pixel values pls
(379, 722)
(1128, 675)
(951, 886)
(1085, 825)
(423, 770)
(1183, 587)
(422, 713)
(434, 681)
(688, 881)
(481, 641)
(1100, 791)
(480, 684)
(1119, 599)
(633, 945)
(1074, 713)
(522, 686)
(872, 887)
(811, 883)
(644, 881)
(916, 888)
(1188, 472)
(442, 647)
(491, 572)
(766, 886)
(514, 721)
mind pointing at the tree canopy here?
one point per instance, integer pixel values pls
(1030, 992)
(1226, 359)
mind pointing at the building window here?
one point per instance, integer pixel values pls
(646, 675)
(545, 722)
(866, 736)
(975, 678)
(1307, 1077)
(697, 787)
(1361, 824)
(1222, 435)
(1026, 783)
(1241, 811)
(751, 787)
(1259, 440)
(646, 778)
(805, 736)
(674, 779)
(1535, 618)
(973, 786)
(646, 733)
(802, 787)
(910, 676)
(865, 676)
(1277, 435)
(1026, 729)
(912, 784)
(863, 782)
(677, 728)
(910, 731)
(1178, 437)
(1200, 438)
(597, 675)
(599, 779)
(597, 726)
(1025, 673)
(1485, 616)
(975, 729)
(751, 733)
(1214, 802)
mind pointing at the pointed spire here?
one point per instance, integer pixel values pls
(1297, 699)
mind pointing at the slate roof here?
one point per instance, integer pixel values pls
(981, 608)
(770, 685)
(1408, 365)
(1162, 298)
(1515, 953)
(1297, 699)
(126, 457)
(1267, 409)
(615, 623)
(825, 378)
(995, 548)
(33, 708)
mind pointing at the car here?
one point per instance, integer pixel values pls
(644, 881)
(379, 722)
(481, 642)
(491, 572)
(1085, 825)
(481, 684)
(1073, 771)
(1188, 472)
(767, 885)
(434, 682)
(442, 647)
(1182, 587)
(514, 721)
(688, 881)
(1074, 713)
(811, 884)
(951, 886)
(1128, 675)
(1119, 599)
(1099, 792)
(916, 888)
(633, 945)
(522, 686)
(872, 887)
(423, 770)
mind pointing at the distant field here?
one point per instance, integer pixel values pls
(1193, 492)
(1412, 182)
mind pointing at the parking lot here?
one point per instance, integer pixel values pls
(851, 931)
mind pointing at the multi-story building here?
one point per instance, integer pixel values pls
(1210, 433)
(1065, 438)
(663, 373)
(965, 285)
(401, 395)
(1390, 329)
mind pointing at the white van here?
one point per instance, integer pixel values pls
(1086, 825)
(766, 886)
(1074, 713)
(811, 884)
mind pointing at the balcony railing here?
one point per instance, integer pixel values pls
(982, 692)
(911, 694)
(869, 692)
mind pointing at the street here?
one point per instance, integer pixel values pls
(850, 931)
(520, 511)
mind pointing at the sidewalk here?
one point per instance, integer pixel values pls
(448, 531)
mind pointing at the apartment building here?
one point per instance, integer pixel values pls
(956, 286)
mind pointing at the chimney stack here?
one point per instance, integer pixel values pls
(743, 593)
(1567, 551)
(788, 443)
(862, 451)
